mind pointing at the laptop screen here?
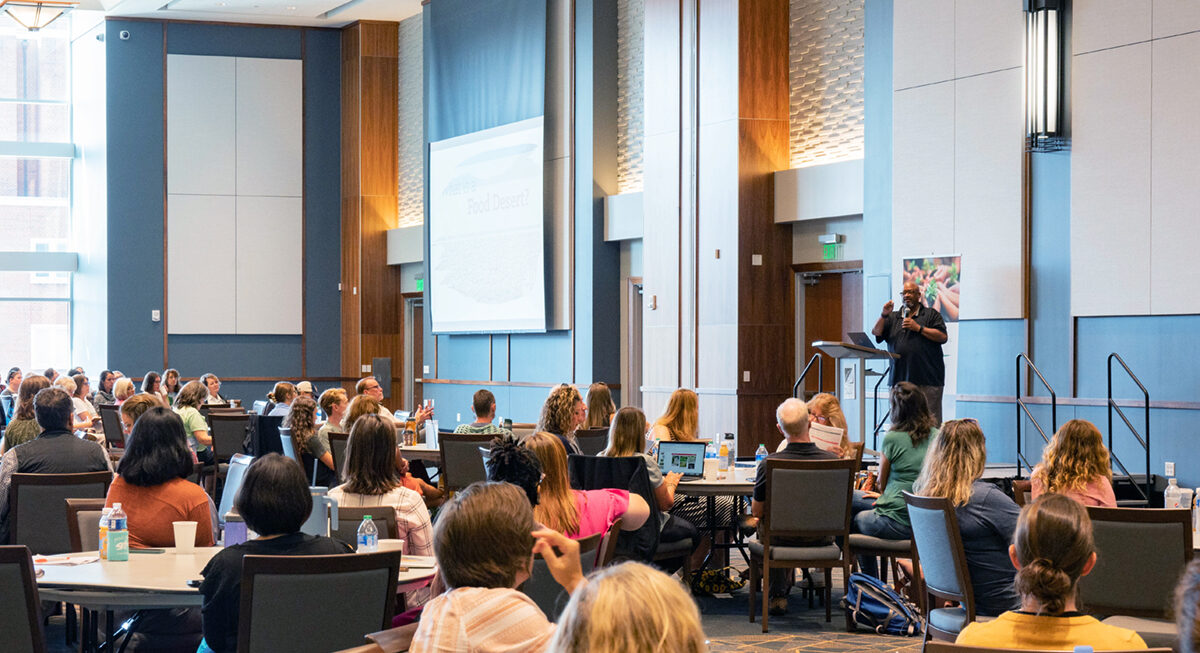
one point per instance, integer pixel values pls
(687, 458)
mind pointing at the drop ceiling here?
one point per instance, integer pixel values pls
(316, 13)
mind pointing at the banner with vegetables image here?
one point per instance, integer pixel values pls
(939, 278)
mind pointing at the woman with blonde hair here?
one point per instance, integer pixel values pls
(1052, 549)
(578, 513)
(680, 421)
(562, 414)
(629, 607)
(825, 410)
(1076, 463)
(123, 389)
(302, 420)
(600, 406)
(986, 516)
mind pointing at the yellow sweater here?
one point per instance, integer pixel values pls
(1027, 631)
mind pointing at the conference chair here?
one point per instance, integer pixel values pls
(1022, 491)
(228, 432)
(392, 640)
(20, 609)
(265, 437)
(545, 591)
(523, 430)
(37, 507)
(110, 424)
(460, 461)
(349, 519)
(592, 441)
(938, 549)
(353, 594)
(826, 487)
(608, 545)
(83, 523)
(948, 647)
(294, 450)
(233, 482)
(1150, 545)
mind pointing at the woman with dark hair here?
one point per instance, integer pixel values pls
(170, 384)
(903, 454)
(187, 404)
(302, 420)
(372, 480)
(104, 393)
(152, 485)
(152, 383)
(24, 426)
(274, 501)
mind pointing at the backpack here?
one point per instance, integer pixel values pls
(872, 603)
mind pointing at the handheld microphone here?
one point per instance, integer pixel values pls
(904, 312)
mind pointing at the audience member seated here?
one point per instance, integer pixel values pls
(414, 476)
(136, 406)
(824, 409)
(371, 480)
(627, 437)
(562, 414)
(600, 406)
(1187, 609)
(483, 541)
(483, 404)
(152, 383)
(8, 396)
(171, 385)
(792, 421)
(305, 389)
(151, 483)
(213, 385)
(187, 404)
(629, 607)
(333, 403)
(104, 393)
(302, 420)
(280, 399)
(1052, 550)
(55, 451)
(575, 513)
(24, 427)
(986, 516)
(123, 389)
(680, 421)
(274, 501)
(83, 390)
(1076, 463)
(81, 419)
(884, 515)
(51, 374)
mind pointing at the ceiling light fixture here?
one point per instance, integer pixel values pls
(1043, 75)
(33, 15)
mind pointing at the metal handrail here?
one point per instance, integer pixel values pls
(1022, 407)
(816, 358)
(875, 418)
(1112, 405)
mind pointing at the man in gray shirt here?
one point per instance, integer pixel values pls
(484, 406)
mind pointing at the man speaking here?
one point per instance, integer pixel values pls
(916, 332)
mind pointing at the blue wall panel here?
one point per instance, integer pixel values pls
(273, 356)
(544, 358)
(877, 143)
(499, 358)
(463, 357)
(1050, 285)
(987, 353)
(1156, 348)
(235, 41)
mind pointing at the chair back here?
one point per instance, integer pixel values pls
(354, 594)
(233, 482)
(337, 449)
(1151, 545)
(948, 647)
(523, 430)
(83, 523)
(827, 487)
(37, 507)
(266, 436)
(1022, 492)
(592, 441)
(289, 445)
(228, 434)
(460, 461)
(349, 519)
(110, 423)
(259, 406)
(545, 591)
(938, 545)
(626, 473)
(20, 609)
(324, 513)
(608, 545)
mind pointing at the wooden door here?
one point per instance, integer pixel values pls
(822, 321)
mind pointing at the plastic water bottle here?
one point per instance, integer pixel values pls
(730, 451)
(1171, 495)
(760, 454)
(117, 540)
(723, 458)
(103, 540)
(368, 536)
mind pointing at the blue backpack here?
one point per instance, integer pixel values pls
(875, 605)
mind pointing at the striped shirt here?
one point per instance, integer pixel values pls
(482, 620)
(412, 517)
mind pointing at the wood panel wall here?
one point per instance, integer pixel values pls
(372, 305)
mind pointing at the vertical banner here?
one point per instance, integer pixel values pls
(939, 278)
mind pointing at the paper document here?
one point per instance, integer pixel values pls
(825, 437)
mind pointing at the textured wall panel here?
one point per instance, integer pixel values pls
(412, 128)
(631, 20)
(826, 79)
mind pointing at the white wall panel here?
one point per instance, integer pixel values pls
(201, 264)
(989, 35)
(1173, 17)
(988, 146)
(270, 102)
(923, 42)
(1110, 182)
(270, 264)
(1099, 24)
(200, 128)
(922, 172)
(1175, 185)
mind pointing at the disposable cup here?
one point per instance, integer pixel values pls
(185, 536)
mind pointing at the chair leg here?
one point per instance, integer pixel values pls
(766, 592)
(828, 594)
(69, 631)
(753, 588)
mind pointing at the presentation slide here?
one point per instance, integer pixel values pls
(486, 248)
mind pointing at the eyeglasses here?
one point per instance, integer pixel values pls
(372, 387)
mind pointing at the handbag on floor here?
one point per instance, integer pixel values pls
(873, 604)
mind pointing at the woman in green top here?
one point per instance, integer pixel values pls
(24, 426)
(903, 454)
(187, 404)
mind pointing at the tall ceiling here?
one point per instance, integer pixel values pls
(316, 13)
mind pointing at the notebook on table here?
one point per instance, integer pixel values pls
(687, 458)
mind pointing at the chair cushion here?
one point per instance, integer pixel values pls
(807, 553)
(952, 620)
(673, 549)
(861, 543)
(1157, 633)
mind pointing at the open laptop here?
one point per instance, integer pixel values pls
(861, 339)
(687, 458)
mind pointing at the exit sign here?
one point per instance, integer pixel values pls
(832, 251)
(420, 285)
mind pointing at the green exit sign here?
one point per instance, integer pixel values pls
(420, 285)
(832, 251)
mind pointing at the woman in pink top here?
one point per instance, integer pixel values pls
(1076, 463)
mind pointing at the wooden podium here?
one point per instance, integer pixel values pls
(843, 350)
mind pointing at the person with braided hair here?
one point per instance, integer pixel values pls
(1052, 549)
